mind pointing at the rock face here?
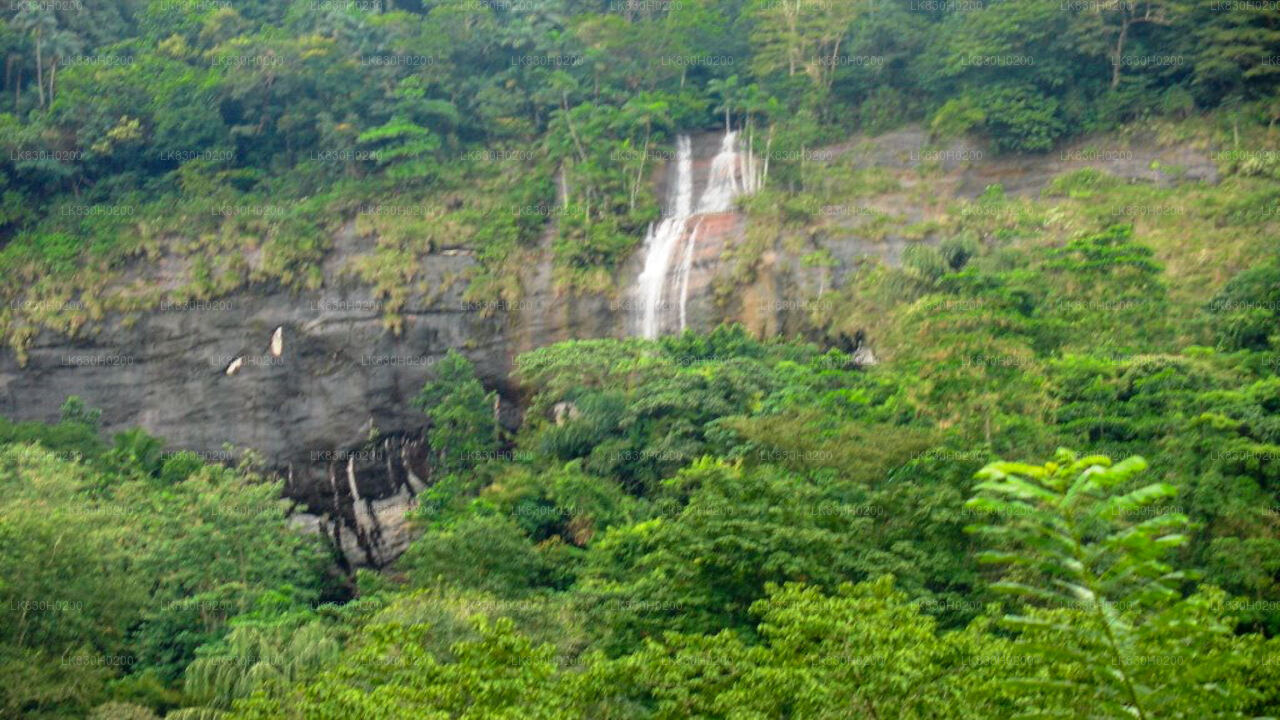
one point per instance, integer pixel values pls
(309, 412)
(779, 291)
(206, 378)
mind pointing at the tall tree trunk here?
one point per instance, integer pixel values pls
(635, 187)
(40, 70)
(1118, 58)
(793, 21)
(768, 152)
(53, 76)
(830, 75)
(564, 104)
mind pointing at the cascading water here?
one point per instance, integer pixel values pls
(730, 177)
(686, 268)
(663, 290)
(661, 241)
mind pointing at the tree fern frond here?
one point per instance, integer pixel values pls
(1021, 489)
(1128, 503)
(1001, 470)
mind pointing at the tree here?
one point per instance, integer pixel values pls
(62, 44)
(404, 148)
(1021, 119)
(1117, 19)
(71, 586)
(1109, 269)
(1106, 631)
(477, 552)
(39, 20)
(391, 675)
(406, 145)
(265, 653)
(463, 426)
(803, 36)
(646, 109)
(1237, 47)
(727, 90)
(702, 568)
(1010, 63)
(74, 410)
(864, 650)
(1247, 309)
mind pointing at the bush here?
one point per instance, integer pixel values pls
(1021, 119)
(480, 552)
(1080, 184)
(957, 117)
(1246, 310)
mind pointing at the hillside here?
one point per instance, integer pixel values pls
(345, 375)
(571, 359)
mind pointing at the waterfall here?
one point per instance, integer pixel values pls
(725, 182)
(732, 174)
(661, 241)
(686, 268)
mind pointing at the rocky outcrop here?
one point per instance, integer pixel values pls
(203, 377)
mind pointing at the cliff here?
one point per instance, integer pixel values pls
(204, 376)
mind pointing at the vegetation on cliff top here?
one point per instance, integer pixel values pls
(228, 142)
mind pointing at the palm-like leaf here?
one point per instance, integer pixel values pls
(256, 657)
(1064, 531)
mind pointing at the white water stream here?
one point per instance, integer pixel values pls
(663, 286)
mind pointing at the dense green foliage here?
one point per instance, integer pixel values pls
(120, 562)
(714, 526)
(707, 525)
